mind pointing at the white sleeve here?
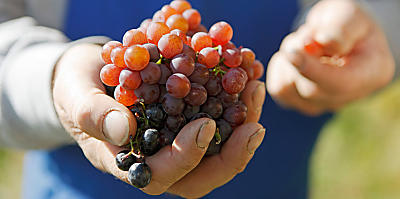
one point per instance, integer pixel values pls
(28, 54)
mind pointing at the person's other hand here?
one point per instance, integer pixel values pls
(100, 125)
(339, 55)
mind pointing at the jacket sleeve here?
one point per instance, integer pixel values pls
(385, 12)
(28, 55)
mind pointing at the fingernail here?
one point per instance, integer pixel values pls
(255, 141)
(257, 96)
(116, 128)
(206, 133)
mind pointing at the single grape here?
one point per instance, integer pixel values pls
(137, 57)
(155, 31)
(168, 11)
(248, 57)
(117, 56)
(193, 18)
(153, 51)
(177, 22)
(144, 25)
(150, 144)
(165, 73)
(170, 45)
(225, 129)
(180, 34)
(167, 137)
(109, 75)
(159, 16)
(197, 95)
(200, 74)
(236, 114)
(180, 5)
(213, 85)
(228, 99)
(172, 105)
(249, 72)
(234, 81)
(133, 37)
(182, 63)
(200, 28)
(155, 113)
(258, 68)
(175, 123)
(190, 111)
(201, 40)
(139, 175)
(213, 107)
(148, 92)
(129, 79)
(208, 57)
(232, 57)
(124, 160)
(229, 45)
(106, 52)
(163, 92)
(213, 148)
(151, 74)
(221, 33)
(200, 115)
(187, 50)
(125, 97)
(178, 85)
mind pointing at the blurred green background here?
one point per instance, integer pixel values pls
(357, 155)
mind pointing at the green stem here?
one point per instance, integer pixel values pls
(218, 136)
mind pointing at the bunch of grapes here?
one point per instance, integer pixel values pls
(171, 71)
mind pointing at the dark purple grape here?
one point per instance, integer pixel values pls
(189, 51)
(213, 86)
(163, 91)
(228, 99)
(165, 73)
(200, 115)
(234, 81)
(139, 175)
(236, 114)
(167, 137)
(197, 95)
(124, 160)
(190, 111)
(213, 148)
(200, 74)
(182, 63)
(150, 144)
(213, 107)
(153, 51)
(172, 105)
(148, 92)
(225, 129)
(155, 112)
(175, 123)
(151, 74)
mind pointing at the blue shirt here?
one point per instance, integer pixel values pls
(278, 169)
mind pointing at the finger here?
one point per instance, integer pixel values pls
(281, 85)
(253, 96)
(338, 25)
(217, 170)
(173, 162)
(80, 93)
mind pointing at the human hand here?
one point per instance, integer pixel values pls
(339, 55)
(100, 125)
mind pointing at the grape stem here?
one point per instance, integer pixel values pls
(218, 136)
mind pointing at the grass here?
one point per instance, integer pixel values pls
(357, 155)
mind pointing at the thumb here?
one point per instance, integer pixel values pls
(337, 25)
(81, 101)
